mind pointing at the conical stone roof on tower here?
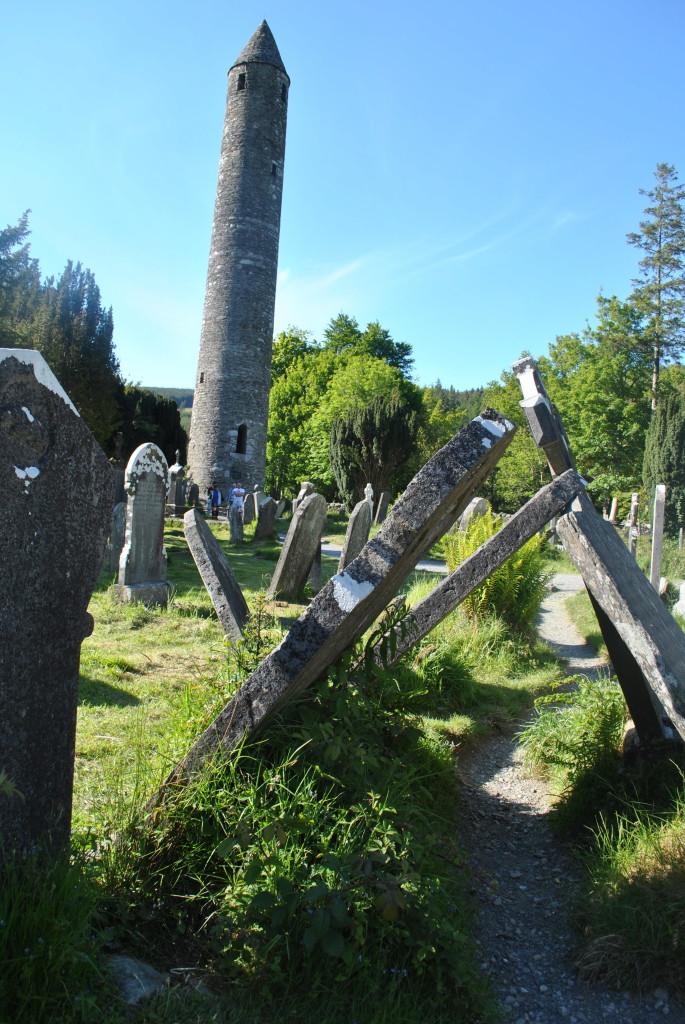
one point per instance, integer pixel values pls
(231, 402)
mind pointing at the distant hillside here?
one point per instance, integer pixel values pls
(182, 396)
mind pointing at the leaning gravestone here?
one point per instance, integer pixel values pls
(475, 509)
(116, 536)
(266, 517)
(216, 573)
(142, 566)
(350, 601)
(382, 507)
(52, 553)
(357, 533)
(300, 548)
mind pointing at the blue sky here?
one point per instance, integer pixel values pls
(464, 175)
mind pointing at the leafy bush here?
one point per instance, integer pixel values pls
(512, 592)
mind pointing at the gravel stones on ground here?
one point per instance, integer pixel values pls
(526, 880)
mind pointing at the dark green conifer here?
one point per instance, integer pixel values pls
(664, 461)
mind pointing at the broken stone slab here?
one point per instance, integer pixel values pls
(645, 646)
(351, 601)
(654, 641)
(52, 551)
(217, 575)
(550, 501)
(357, 533)
(142, 566)
(300, 547)
(542, 417)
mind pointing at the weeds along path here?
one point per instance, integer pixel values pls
(525, 879)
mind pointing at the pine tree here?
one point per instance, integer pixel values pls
(664, 461)
(659, 292)
(74, 333)
(370, 445)
(19, 285)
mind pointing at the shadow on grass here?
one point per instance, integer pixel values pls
(95, 692)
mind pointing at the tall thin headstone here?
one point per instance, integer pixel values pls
(657, 535)
(142, 566)
(266, 517)
(216, 573)
(52, 553)
(357, 533)
(633, 523)
(300, 548)
(177, 487)
(231, 400)
(382, 507)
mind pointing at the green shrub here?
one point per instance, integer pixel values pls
(512, 592)
(575, 739)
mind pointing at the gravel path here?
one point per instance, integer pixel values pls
(525, 879)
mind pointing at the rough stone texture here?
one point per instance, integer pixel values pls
(281, 507)
(382, 507)
(193, 495)
(116, 536)
(305, 488)
(357, 533)
(230, 406)
(653, 639)
(529, 520)
(476, 508)
(52, 553)
(216, 573)
(657, 535)
(351, 600)
(266, 517)
(142, 566)
(301, 544)
(236, 519)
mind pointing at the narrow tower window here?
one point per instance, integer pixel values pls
(241, 81)
(273, 169)
(284, 93)
(202, 378)
(241, 440)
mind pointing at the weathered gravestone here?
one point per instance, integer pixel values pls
(177, 487)
(633, 529)
(306, 488)
(476, 508)
(281, 507)
(193, 495)
(368, 494)
(646, 647)
(657, 535)
(252, 503)
(216, 573)
(52, 553)
(236, 520)
(382, 507)
(350, 602)
(117, 534)
(142, 566)
(266, 517)
(357, 533)
(300, 548)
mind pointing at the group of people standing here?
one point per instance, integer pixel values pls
(235, 499)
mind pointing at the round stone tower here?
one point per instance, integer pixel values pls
(231, 402)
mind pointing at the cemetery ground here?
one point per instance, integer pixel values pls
(318, 874)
